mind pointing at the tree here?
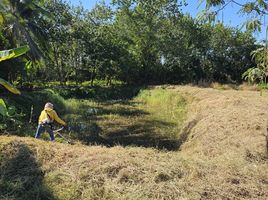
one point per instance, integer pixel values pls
(19, 17)
(138, 24)
(256, 9)
(260, 72)
(58, 30)
(229, 53)
(137, 42)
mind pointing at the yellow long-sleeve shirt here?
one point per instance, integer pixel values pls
(52, 115)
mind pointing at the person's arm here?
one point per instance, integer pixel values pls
(57, 119)
(42, 117)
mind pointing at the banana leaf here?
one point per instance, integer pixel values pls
(3, 108)
(13, 53)
(9, 87)
(1, 19)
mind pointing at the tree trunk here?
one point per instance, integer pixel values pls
(92, 76)
(56, 58)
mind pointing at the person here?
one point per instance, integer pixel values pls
(46, 118)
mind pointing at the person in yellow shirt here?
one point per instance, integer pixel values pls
(46, 118)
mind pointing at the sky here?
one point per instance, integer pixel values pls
(229, 15)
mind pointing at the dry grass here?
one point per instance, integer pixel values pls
(219, 86)
(224, 157)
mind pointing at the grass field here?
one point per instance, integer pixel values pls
(193, 143)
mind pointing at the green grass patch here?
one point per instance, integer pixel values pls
(153, 118)
(164, 105)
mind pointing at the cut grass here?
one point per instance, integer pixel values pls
(224, 155)
(58, 171)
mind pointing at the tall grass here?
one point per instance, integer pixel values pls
(165, 105)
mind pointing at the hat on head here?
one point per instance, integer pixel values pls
(49, 105)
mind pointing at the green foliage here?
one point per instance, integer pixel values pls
(39, 98)
(7, 111)
(214, 2)
(256, 10)
(20, 18)
(261, 57)
(9, 54)
(136, 42)
(9, 114)
(13, 53)
(252, 74)
(254, 25)
(100, 92)
(3, 108)
(260, 72)
(9, 87)
(11, 120)
(164, 104)
(248, 7)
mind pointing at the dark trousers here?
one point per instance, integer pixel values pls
(41, 128)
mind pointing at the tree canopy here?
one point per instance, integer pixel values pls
(133, 41)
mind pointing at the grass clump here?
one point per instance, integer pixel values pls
(165, 105)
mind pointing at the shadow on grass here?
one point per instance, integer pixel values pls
(117, 119)
(21, 177)
(123, 109)
(143, 133)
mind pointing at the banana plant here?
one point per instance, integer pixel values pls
(5, 55)
(13, 53)
(260, 72)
